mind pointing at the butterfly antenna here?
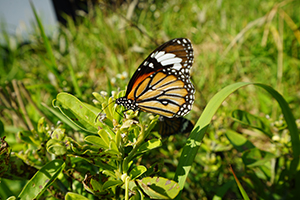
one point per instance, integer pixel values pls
(121, 114)
(103, 109)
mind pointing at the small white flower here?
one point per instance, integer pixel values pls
(113, 93)
(276, 138)
(103, 93)
(122, 76)
(113, 80)
(125, 74)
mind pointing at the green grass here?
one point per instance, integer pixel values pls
(86, 57)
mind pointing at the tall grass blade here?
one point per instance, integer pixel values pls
(194, 141)
(74, 81)
(243, 192)
(52, 67)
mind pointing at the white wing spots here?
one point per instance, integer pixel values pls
(174, 61)
(154, 54)
(164, 57)
(171, 61)
(177, 66)
(159, 54)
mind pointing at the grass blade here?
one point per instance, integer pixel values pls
(243, 192)
(74, 81)
(52, 67)
(194, 141)
(290, 120)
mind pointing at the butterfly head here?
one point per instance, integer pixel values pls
(127, 103)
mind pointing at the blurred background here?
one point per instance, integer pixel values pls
(95, 46)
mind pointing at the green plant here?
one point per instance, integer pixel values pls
(249, 41)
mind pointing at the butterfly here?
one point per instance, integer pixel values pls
(170, 126)
(161, 84)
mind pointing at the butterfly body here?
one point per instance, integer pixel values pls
(161, 85)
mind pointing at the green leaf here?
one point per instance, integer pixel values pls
(111, 183)
(108, 134)
(28, 137)
(58, 134)
(74, 196)
(104, 136)
(96, 140)
(193, 143)
(149, 145)
(96, 186)
(76, 111)
(92, 108)
(99, 97)
(252, 121)
(109, 173)
(222, 190)
(255, 157)
(239, 141)
(56, 147)
(42, 180)
(61, 117)
(159, 188)
(138, 195)
(113, 147)
(137, 171)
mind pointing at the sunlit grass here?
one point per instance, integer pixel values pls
(105, 44)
